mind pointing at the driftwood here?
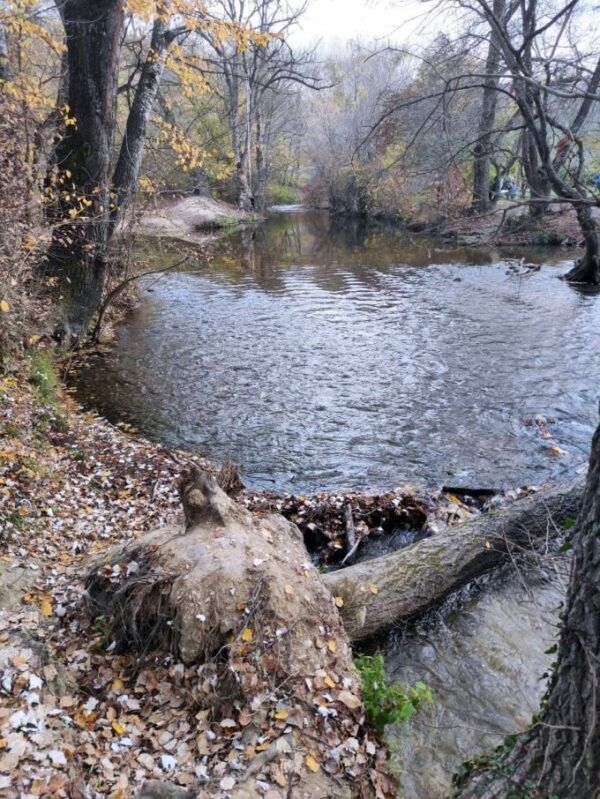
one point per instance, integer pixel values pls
(404, 584)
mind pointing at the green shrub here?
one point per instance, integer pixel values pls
(385, 703)
(282, 195)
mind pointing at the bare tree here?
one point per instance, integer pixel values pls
(250, 77)
(483, 199)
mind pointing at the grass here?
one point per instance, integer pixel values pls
(43, 377)
(218, 223)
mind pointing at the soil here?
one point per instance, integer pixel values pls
(507, 226)
(190, 218)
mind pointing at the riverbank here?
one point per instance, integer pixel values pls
(76, 713)
(513, 227)
(191, 219)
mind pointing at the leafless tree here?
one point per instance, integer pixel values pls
(249, 78)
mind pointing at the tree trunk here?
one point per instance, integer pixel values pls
(539, 186)
(261, 176)
(587, 269)
(380, 592)
(79, 251)
(559, 757)
(482, 196)
(5, 67)
(132, 147)
(237, 596)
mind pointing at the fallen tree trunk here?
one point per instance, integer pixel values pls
(396, 587)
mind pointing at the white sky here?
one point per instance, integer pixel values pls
(341, 20)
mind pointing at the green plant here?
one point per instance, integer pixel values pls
(282, 195)
(386, 703)
(42, 377)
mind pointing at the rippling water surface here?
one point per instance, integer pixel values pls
(324, 357)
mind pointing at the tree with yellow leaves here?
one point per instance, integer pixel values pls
(87, 188)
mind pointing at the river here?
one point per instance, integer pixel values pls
(323, 356)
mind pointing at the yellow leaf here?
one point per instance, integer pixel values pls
(118, 728)
(312, 764)
(332, 645)
(117, 686)
(3, 743)
(329, 682)
(4, 306)
(281, 715)
(247, 635)
(339, 602)
(373, 588)
(46, 606)
(289, 590)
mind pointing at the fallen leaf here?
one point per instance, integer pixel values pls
(332, 645)
(118, 728)
(373, 588)
(46, 606)
(349, 699)
(339, 602)
(247, 635)
(312, 764)
(4, 306)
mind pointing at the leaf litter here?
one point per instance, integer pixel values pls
(81, 719)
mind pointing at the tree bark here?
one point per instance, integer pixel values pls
(539, 186)
(5, 66)
(79, 251)
(261, 175)
(380, 592)
(132, 147)
(482, 196)
(587, 269)
(559, 757)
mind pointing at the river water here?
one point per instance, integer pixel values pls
(321, 357)
(486, 660)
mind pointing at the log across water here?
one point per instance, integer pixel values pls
(404, 584)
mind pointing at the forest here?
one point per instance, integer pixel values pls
(299, 369)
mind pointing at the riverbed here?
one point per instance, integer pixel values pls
(323, 355)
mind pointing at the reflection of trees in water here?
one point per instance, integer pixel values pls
(333, 247)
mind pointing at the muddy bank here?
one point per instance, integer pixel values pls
(190, 219)
(513, 227)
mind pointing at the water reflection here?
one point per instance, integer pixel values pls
(319, 354)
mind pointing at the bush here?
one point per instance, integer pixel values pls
(282, 195)
(385, 703)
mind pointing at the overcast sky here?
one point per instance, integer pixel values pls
(340, 20)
